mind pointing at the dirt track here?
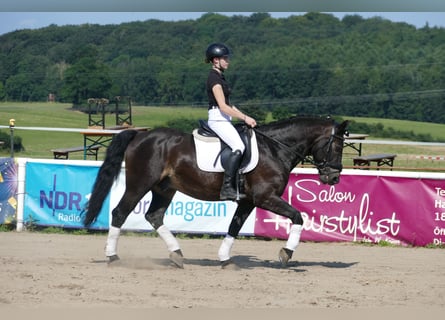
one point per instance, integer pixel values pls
(52, 270)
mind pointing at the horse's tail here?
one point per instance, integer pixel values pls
(108, 172)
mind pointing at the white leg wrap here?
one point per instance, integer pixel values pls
(226, 247)
(113, 237)
(294, 237)
(169, 238)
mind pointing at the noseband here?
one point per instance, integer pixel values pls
(323, 164)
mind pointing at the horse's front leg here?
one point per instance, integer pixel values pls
(293, 240)
(241, 214)
(277, 205)
(111, 244)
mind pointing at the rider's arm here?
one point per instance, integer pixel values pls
(230, 110)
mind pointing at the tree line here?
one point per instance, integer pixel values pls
(309, 64)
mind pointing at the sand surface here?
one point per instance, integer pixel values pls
(64, 270)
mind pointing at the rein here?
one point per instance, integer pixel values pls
(281, 144)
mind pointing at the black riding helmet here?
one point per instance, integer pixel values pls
(216, 50)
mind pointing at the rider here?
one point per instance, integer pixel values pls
(221, 113)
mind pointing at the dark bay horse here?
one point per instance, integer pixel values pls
(163, 161)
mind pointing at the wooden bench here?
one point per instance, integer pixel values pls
(63, 153)
(381, 159)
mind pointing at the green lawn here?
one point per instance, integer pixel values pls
(436, 130)
(38, 144)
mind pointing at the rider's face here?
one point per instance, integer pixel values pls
(224, 62)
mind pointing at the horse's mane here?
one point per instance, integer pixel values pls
(293, 120)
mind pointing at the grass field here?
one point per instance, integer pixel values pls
(38, 144)
(436, 130)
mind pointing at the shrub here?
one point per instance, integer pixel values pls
(6, 139)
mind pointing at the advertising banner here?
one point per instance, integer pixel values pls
(185, 214)
(368, 208)
(56, 195)
(8, 190)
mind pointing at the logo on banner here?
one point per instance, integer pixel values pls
(333, 212)
(56, 195)
(363, 221)
(60, 202)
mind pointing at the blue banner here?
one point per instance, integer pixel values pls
(8, 190)
(56, 195)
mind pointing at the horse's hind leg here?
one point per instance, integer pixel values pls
(241, 214)
(155, 216)
(119, 215)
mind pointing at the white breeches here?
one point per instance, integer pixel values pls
(221, 124)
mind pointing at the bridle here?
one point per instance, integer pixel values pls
(325, 162)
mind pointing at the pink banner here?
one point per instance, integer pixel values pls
(368, 208)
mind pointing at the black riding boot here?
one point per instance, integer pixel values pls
(229, 188)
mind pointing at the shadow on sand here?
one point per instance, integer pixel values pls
(246, 262)
(241, 262)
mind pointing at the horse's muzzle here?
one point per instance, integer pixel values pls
(329, 175)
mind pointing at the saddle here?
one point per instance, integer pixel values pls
(245, 134)
(212, 153)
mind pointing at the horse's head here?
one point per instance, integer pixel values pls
(327, 153)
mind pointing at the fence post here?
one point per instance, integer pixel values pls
(11, 128)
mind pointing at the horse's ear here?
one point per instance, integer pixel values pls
(343, 127)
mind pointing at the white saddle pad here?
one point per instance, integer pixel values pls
(208, 148)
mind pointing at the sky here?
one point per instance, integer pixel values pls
(11, 21)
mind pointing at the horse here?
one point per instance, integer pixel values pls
(163, 161)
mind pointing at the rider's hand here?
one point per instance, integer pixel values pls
(250, 121)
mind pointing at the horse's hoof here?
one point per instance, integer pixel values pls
(229, 265)
(113, 258)
(284, 256)
(177, 258)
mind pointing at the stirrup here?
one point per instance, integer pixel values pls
(240, 196)
(239, 180)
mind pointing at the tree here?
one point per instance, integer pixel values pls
(280, 112)
(255, 111)
(87, 78)
(2, 92)
(311, 64)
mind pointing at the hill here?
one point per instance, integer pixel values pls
(309, 64)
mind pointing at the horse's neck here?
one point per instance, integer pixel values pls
(297, 137)
(289, 149)
(296, 141)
